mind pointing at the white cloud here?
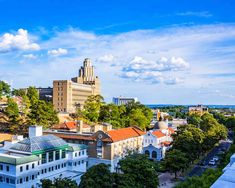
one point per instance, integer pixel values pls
(108, 58)
(19, 41)
(30, 56)
(204, 14)
(165, 56)
(151, 71)
(58, 52)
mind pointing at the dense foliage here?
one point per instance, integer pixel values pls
(132, 114)
(32, 111)
(4, 89)
(58, 183)
(193, 140)
(137, 171)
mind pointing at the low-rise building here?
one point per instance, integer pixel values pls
(111, 146)
(199, 109)
(25, 163)
(124, 100)
(158, 140)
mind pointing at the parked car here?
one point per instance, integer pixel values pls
(215, 158)
(211, 162)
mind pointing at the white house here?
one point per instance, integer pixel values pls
(38, 157)
(156, 142)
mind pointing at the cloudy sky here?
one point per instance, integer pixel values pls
(161, 51)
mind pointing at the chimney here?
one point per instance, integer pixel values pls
(35, 131)
(80, 128)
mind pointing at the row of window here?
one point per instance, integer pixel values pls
(7, 180)
(7, 168)
(53, 156)
(26, 167)
(52, 168)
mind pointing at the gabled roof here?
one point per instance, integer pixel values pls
(158, 134)
(66, 125)
(124, 133)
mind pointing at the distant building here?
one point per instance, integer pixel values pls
(157, 141)
(68, 95)
(123, 100)
(199, 109)
(45, 94)
(227, 179)
(25, 163)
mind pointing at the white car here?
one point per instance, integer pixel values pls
(215, 158)
(211, 162)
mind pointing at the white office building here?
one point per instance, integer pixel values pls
(26, 162)
(124, 100)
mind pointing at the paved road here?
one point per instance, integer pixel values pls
(198, 169)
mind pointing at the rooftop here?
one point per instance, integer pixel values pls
(14, 160)
(39, 143)
(124, 133)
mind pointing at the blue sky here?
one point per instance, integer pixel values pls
(161, 51)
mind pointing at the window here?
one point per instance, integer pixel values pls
(27, 178)
(33, 165)
(1, 167)
(79, 153)
(147, 153)
(45, 170)
(82, 161)
(76, 154)
(51, 155)
(27, 167)
(154, 154)
(79, 162)
(49, 169)
(8, 168)
(7, 180)
(12, 181)
(21, 180)
(1, 179)
(21, 168)
(44, 158)
(83, 152)
(63, 154)
(99, 148)
(32, 177)
(64, 164)
(42, 172)
(75, 164)
(57, 155)
(52, 168)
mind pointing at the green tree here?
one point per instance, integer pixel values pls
(33, 95)
(59, 183)
(230, 122)
(42, 113)
(140, 170)
(138, 118)
(194, 119)
(12, 110)
(19, 92)
(92, 107)
(97, 176)
(175, 161)
(4, 89)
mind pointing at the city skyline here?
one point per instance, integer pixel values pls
(161, 52)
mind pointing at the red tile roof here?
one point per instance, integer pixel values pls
(171, 130)
(70, 136)
(66, 125)
(158, 134)
(124, 133)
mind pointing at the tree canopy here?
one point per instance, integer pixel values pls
(4, 89)
(136, 171)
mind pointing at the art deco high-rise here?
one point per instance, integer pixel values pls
(71, 94)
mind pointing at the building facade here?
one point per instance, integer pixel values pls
(38, 157)
(199, 109)
(68, 95)
(111, 146)
(123, 100)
